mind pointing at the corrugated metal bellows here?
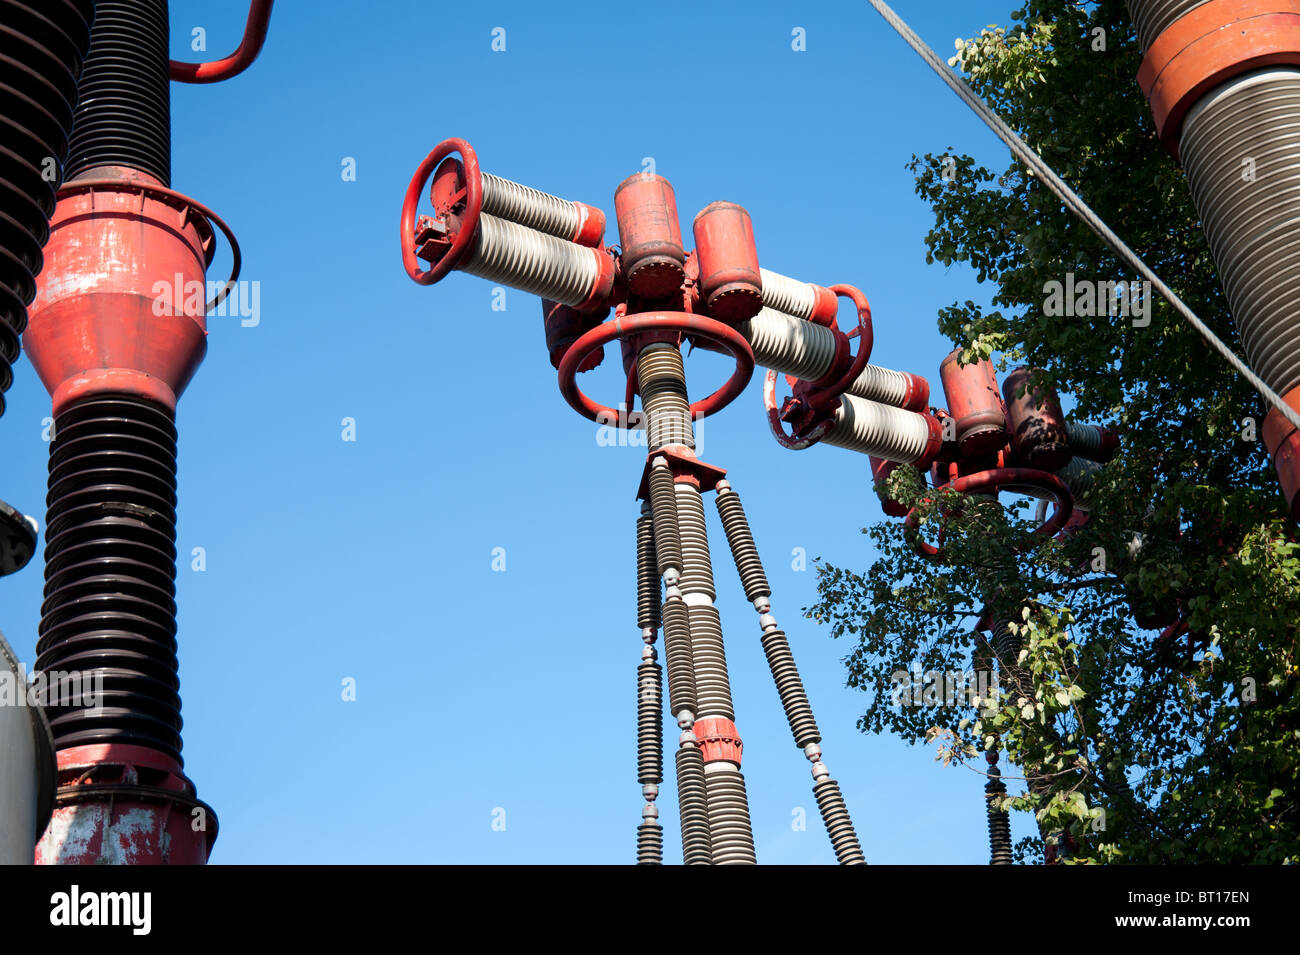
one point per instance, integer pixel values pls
(42, 45)
(109, 610)
(124, 111)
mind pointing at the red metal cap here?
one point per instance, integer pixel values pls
(1209, 45)
(1283, 443)
(651, 237)
(728, 262)
(719, 739)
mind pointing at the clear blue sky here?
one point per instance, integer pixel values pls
(373, 560)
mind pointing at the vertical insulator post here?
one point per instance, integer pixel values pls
(649, 701)
(789, 685)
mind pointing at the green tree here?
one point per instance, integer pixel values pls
(1131, 747)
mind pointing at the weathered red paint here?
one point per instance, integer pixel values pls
(113, 310)
(653, 258)
(1283, 443)
(973, 400)
(1036, 423)
(728, 261)
(125, 805)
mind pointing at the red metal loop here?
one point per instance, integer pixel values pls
(998, 479)
(867, 340)
(695, 325)
(469, 221)
(128, 185)
(799, 440)
(255, 27)
(825, 399)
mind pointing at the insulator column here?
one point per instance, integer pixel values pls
(715, 741)
(537, 263)
(649, 700)
(999, 819)
(870, 427)
(692, 801)
(789, 686)
(534, 209)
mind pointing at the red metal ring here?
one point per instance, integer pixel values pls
(127, 185)
(696, 325)
(996, 479)
(796, 441)
(469, 223)
(867, 340)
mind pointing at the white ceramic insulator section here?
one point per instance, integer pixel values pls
(787, 295)
(789, 344)
(793, 346)
(530, 207)
(870, 427)
(531, 261)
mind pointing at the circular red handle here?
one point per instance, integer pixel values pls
(821, 425)
(696, 325)
(996, 479)
(469, 222)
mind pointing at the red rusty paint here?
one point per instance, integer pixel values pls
(116, 308)
(728, 262)
(1036, 423)
(973, 400)
(1209, 45)
(125, 805)
(653, 258)
(719, 739)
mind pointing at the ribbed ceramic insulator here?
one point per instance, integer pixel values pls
(110, 562)
(731, 835)
(663, 506)
(693, 804)
(648, 595)
(124, 98)
(530, 207)
(649, 723)
(787, 295)
(712, 686)
(838, 824)
(870, 427)
(697, 568)
(999, 821)
(1085, 440)
(662, 379)
(790, 345)
(743, 548)
(884, 385)
(790, 688)
(531, 261)
(681, 664)
(1252, 220)
(1151, 17)
(43, 47)
(649, 844)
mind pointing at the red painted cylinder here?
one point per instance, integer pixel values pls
(973, 400)
(729, 278)
(1283, 443)
(120, 302)
(650, 235)
(119, 804)
(1037, 426)
(718, 739)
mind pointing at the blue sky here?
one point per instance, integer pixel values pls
(372, 560)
